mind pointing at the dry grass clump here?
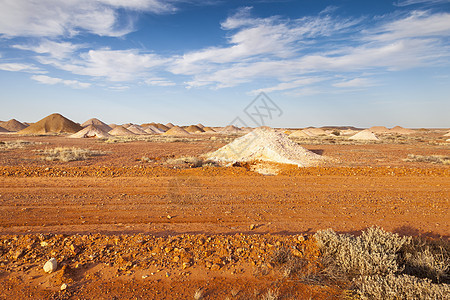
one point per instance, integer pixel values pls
(199, 293)
(189, 161)
(393, 287)
(68, 154)
(426, 258)
(17, 144)
(372, 253)
(151, 138)
(434, 159)
(383, 265)
(271, 295)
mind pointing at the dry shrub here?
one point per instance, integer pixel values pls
(189, 161)
(17, 144)
(434, 159)
(426, 258)
(383, 265)
(68, 154)
(372, 253)
(271, 295)
(199, 293)
(400, 287)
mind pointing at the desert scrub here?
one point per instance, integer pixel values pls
(393, 287)
(68, 154)
(189, 161)
(425, 258)
(17, 144)
(372, 253)
(383, 265)
(434, 159)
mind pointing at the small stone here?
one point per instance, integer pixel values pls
(176, 259)
(44, 244)
(186, 265)
(253, 226)
(167, 274)
(63, 287)
(301, 238)
(215, 267)
(51, 265)
(169, 217)
(144, 276)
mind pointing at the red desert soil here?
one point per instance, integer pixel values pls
(121, 228)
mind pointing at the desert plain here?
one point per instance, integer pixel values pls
(149, 215)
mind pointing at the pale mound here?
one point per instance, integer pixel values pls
(55, 123)
(194, 129)
(13, 125)
(299, 134)
(136, 129)
(113, 125)
(160, 126)
(200, 125)
(365, 135)
(401, 130)
(91, 131)
(176, 131)
(120, 131)
(447, 134)
(314, 131)
(152, 130)
(98, 124)
(169, 125)
(379, 129)
(3, 130)
(208, 129)
(230, 129)
(264, 144)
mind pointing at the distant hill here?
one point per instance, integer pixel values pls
(54, 123)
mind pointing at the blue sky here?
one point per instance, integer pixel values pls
(347, 62)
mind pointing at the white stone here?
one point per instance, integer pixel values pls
(63, 287)
(51, 265)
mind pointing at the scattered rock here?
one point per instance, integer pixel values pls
(51, 265)
(63, 287)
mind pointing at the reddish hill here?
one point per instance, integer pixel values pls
(54, 123)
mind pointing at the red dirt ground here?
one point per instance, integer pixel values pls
(121, 199)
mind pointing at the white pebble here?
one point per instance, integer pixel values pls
(51, 265)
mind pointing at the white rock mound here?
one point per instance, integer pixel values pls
(365, 135)
(265, 144)
(89, 132)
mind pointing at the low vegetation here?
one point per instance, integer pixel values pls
(434, 159)
(189, 161)
(68, 154)
(375, 265)
(17, 144)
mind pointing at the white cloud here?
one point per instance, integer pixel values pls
(52, 80)
(159, 82)
(52, 18)
(411, 2)
(57, 50)
(417, 24)
(412, 41)
(15, 67)
(354, 83)
(113, 65)
(295, 84)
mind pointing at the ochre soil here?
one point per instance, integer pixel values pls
(109, 220)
